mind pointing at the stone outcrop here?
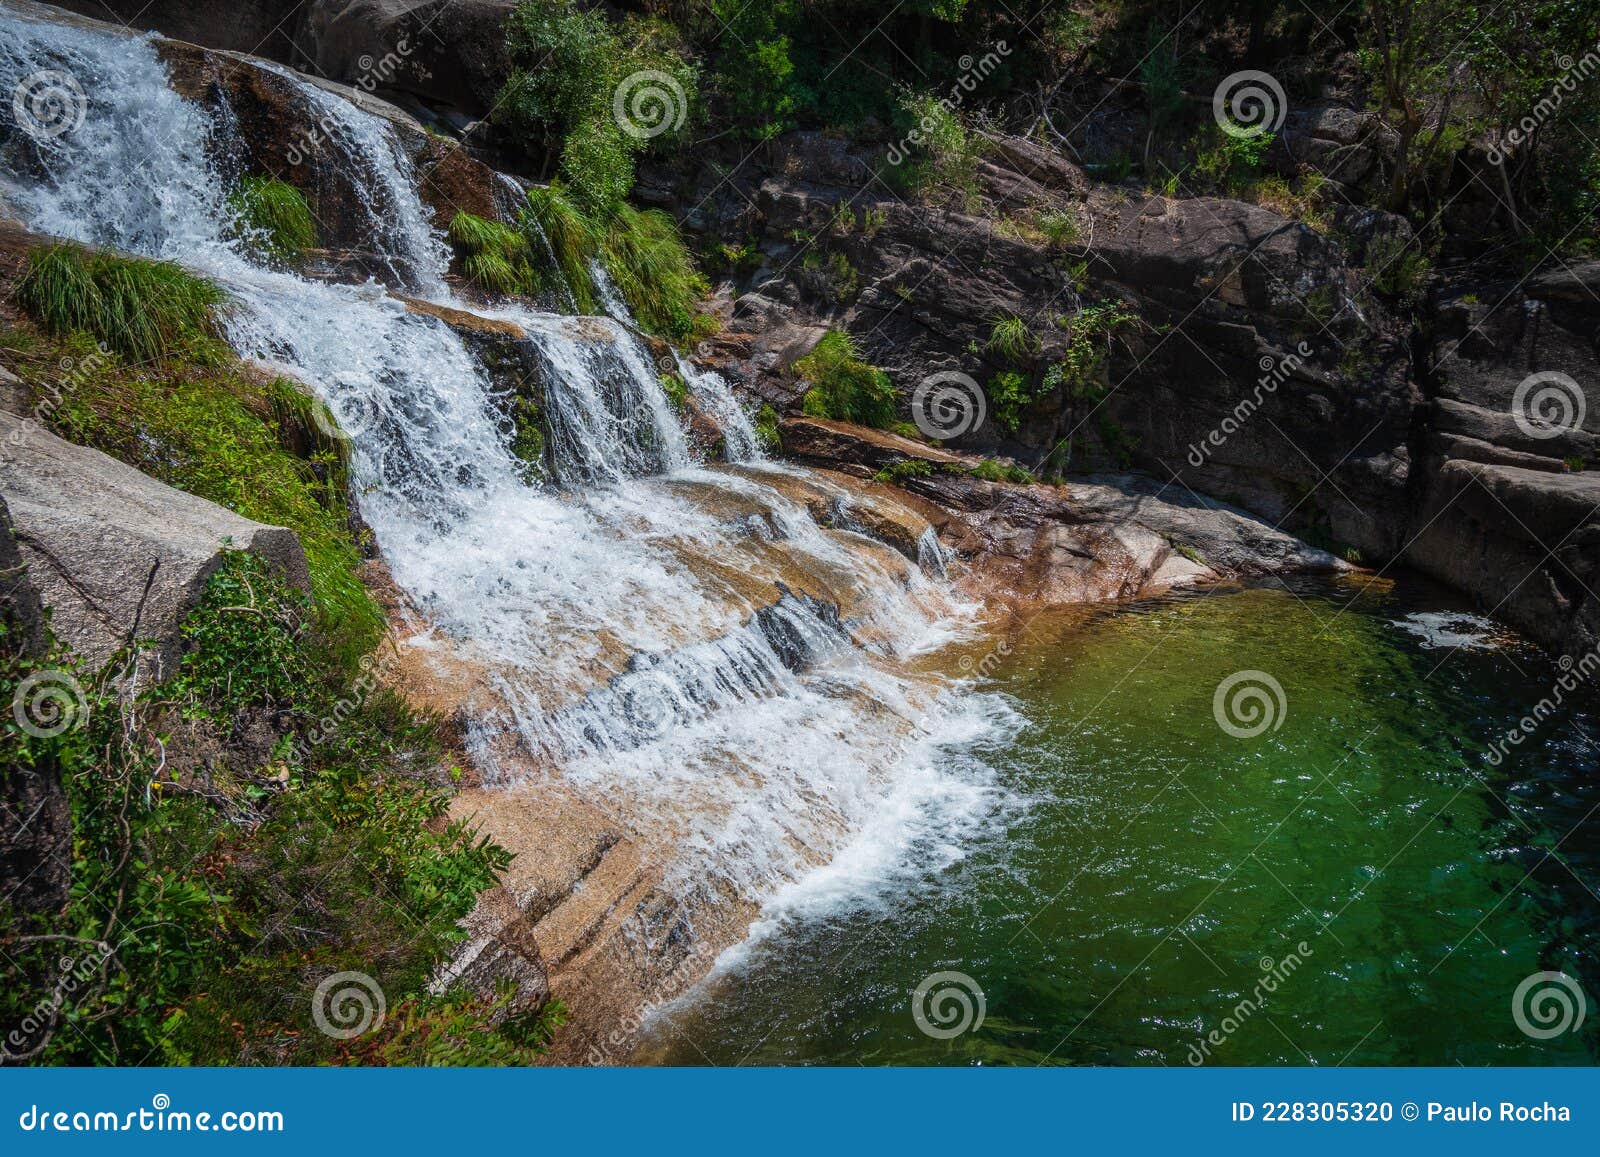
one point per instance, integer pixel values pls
(117, 556)
(441, 57)
(35, 817)
(1227, 295)
(1091, 540)
(1509, 509)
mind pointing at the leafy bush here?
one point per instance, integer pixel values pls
(755, 76)
(642, 252)
(766, 426)
(654, 271)
(572, 238)
(273, 217)
(208, 902)
(569, 63)
(993, 470)
(145, 309)
(844, 387)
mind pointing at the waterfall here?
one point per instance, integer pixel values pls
(653, 630)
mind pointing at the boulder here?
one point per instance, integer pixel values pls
(35, 817)
(115, 555)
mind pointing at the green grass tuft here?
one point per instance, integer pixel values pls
(843, 386)
(274, 217)
(653, 271)
(496, 257)
(147, 310)
(571, 237)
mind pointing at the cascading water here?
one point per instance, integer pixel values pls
(656, 631)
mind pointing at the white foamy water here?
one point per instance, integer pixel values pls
(1452, 629)
(632, 616)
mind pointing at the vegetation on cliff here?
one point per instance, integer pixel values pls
(271, 814)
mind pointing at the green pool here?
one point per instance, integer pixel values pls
(1358, 882)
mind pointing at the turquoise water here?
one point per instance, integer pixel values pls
(1361, 876)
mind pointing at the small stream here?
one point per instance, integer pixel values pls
(1365, 854)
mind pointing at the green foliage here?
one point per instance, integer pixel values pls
(766, 426)
(570, 64)
(145, 309)
(677, 391)
(897, 473)
(993, 470)
(654, 272)
(259, 446)
(1399, 268)
(498, 258)
(755, 76)
(273, 217)
(944, 156)
(1009, 394)
(1010, 337)
(643, 254)
(843, 386)
(572, 238)
(832, 277)
(209, 900)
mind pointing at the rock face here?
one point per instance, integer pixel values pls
(447, 55)
(35, 818)
(1102, 538)
(1241, 310)
(1507, 508)
(114, 554)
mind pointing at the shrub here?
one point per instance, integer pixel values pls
(766, 426)
(843, 386)
(225, 893)
(273, 218)
(568, 63)
(572, 238)
(654, 271)
(755, 75)
(993, 470)
(145, 309)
